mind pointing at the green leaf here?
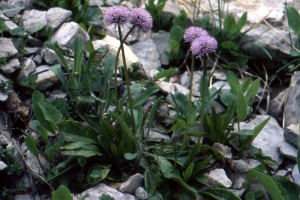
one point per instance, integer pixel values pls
(81, 161)
(233, 82)
(150, 180)
(130, 156)
(62, 193)
(142, 98)
(242, 21)
(56, 69)
(165, 73)
(298, 152)
(250, 196)
(31, 145)
(101, 170)
(243, 132)
(18, 31)
(293, 19)
(274, 189)
(176, 33)
(229, 44)
(106, 197)
(220, 194)
(227, 98)
(241, 106)
(51, 114)
(188, 172)
(230, 25)
(39, 27)
(292, 189)
(73, 131)
(245, 84)
(252, 91)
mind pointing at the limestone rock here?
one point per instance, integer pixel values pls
(96, 191)
(32, 19)
(5, 91)
(141, 193)
(27, 69)
(160, 39)
(56, 16)
(11, 66)
(7, 48)
(288, 151)
(12, 4)
(132, 184)
(220, 176)
(291, 134)
(45, 80)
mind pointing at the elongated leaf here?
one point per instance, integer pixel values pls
(230, 111)
(56, 69)
(73, 131)
(274, 189)
(250, 196)
(142, 98)
(80, 145)
(176, 33)
(97, 173)
(233, 82)
(31, 145)
(241, 106)
(188, 172)
(221, 194)
(81, 152)
(150, 182)
(62, 193)
(245, 84)
(292, 189)
(252, 91)
(293, 19)
(243, 132)
(108, 65)
(230, 25)
(51, 114)
(165, 73)
(242, 21)
(176, 177)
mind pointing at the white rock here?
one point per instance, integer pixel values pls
(220, 176)
(7, 48)
(32, 19)
(3, 166)
(28, 69)
(56, 16)
(45, 80)
(11, 66)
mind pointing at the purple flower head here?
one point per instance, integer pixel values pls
(203, 45)
(193, 32)
(117, 15)
(142, 19)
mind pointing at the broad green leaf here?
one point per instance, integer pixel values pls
(73, 131)
(56, 69)
(36, 126)
(245, 84)
(250, 196)
(31, 145)
(227, 98)
(62, 193)
(102, 171)
(39, 27)
(80, 145)
(252, 91)
(272, 187)
(50, 151)
(293, 19)
(229, 44)
(17, 31)
(51, 114)
(292, 189)
(233, 82)
(241, 106)
(81, 161)
(176, 33)
(108, 66)
(80, 152)
(150, 181)
(242, 21)
(230, 25)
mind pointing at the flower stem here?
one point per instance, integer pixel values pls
(127, 81)
(116, 65)
(203, 90)
(185, 137)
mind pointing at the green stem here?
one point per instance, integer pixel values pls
(203, 90)
(127, 81)
(185, 137)
(116, 66)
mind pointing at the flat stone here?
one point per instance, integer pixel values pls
(296, 175)
(51, 58)
(66, 35)
(141, 193)
(56, 16)
(11, 66)
(8, 23)
(3, 166)
(244, 166)
(27, 69)
(45, 80)
(132, 184)
(291, 134)
(160, 39)
(114, 44)
(32, 19)
(100, 189)
(269, 139)
(148, 55)
(12, 4)
(220, 176)
(288, 151)
(7, 48)
(223, 149)
(154, 134)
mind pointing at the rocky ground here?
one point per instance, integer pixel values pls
(19, 59)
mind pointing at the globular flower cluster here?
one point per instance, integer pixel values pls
(120, 15)
(201, 42)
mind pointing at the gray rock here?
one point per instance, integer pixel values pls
(3, 166)
(51, 58)
(181, 89)
(219, 74)
(100, 44)
(223, 149)
(132, 184)
(5, 91)
(32, 19)
(41, 69)
(161, 39)
(148, 55)
(288, 151)
(220, 84)
(133, 36)
(66, 35)
(185, 79)
(56, 16)
(238, 183)
(154, 134)
(166, 87)
(11, 66)
(100, 189)
(296, 175)
(37, 59)
(12, 4)
(27, 197)
(45, 80)
(30, 50)
(291, 134)
(101, 2)
(141, 193)
(292, 105)
(57, 94)
(269, 139)
(8, 23)
(33, 163)
(277, 103)
(7, 48)
(244, 166)
(23, 183)
(220, 176)
(27, 69)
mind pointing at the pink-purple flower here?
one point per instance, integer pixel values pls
(193, 32)
(117, 15)
(203, 45)
(141, 18)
